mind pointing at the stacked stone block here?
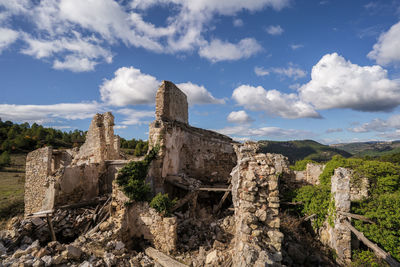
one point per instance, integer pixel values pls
(255, 195)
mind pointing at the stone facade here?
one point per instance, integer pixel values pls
(359, 188)
(171, 103)
(255, 195)
(201, 154)
(338, 237)
(311, 174)
(341, 240)
(38, 168)
(58, 177)
(101, 143)
(139, 220)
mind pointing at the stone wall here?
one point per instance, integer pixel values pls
(338, 237)
(100, 144)
(58, 177)
(311, 174)
(139, 220)
(359, 188)
(255, 195)
(171, 103)
(197, 153)
(38, 168)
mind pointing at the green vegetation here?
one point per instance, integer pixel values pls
(163, 204)
(12, 178)
(366, 258)
(382, 206)
(301, 165)
(16, 138)
(301, 149)
(316, 200)
(5, 159)
(134, 147)
(131, 178)
(372, 149)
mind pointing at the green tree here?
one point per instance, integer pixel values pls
(5, 159)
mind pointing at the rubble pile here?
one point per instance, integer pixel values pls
(26, 242)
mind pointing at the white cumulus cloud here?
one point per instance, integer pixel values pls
(7, 37)
(337, 83)
(387, 49)
(274, 30)
(198, 94)
(260, 71)
(239, 117)
(134, 117)
(265, 132)
(237, 22)
(49, 113)
(106, 23)
(218, 50)
(273, 102)
(130, 86)
(378, 125)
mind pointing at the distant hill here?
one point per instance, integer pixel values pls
(302, 149)
(373, 149)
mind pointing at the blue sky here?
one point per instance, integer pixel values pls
(266, 69)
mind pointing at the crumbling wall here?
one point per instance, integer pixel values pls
(100, 144)
(171, 103)
(198, 153)
(341, 238)
(57, 177)
(139, 220)
(38, 168)
(338, 236)
(255, 197)
(359, 188)
(311, 174)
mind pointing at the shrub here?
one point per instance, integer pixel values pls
(366, 258)
(163, 204)
(131, 178)
(5, 159)
(316, 200)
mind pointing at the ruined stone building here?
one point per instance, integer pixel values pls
(57, 177)
(207, 172)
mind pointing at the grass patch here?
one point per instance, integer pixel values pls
(12, 180)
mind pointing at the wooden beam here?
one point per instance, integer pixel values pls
(183, 201)
(174, 180)
(215, 189)
(380, 253)
(224, 197)
(356, 216)
(162, 259)
(307, 218)
(42, 213)
(82, 204)
(50, 223)
(292, 203)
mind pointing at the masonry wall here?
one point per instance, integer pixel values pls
(101, 143)
(59, 177)
(255, 197)
(138, 220)
(198, 153)
(311, 174)
(171, 103)
(38, 168)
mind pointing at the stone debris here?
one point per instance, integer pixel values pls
(228, 213)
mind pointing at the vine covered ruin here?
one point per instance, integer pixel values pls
(226, 209)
